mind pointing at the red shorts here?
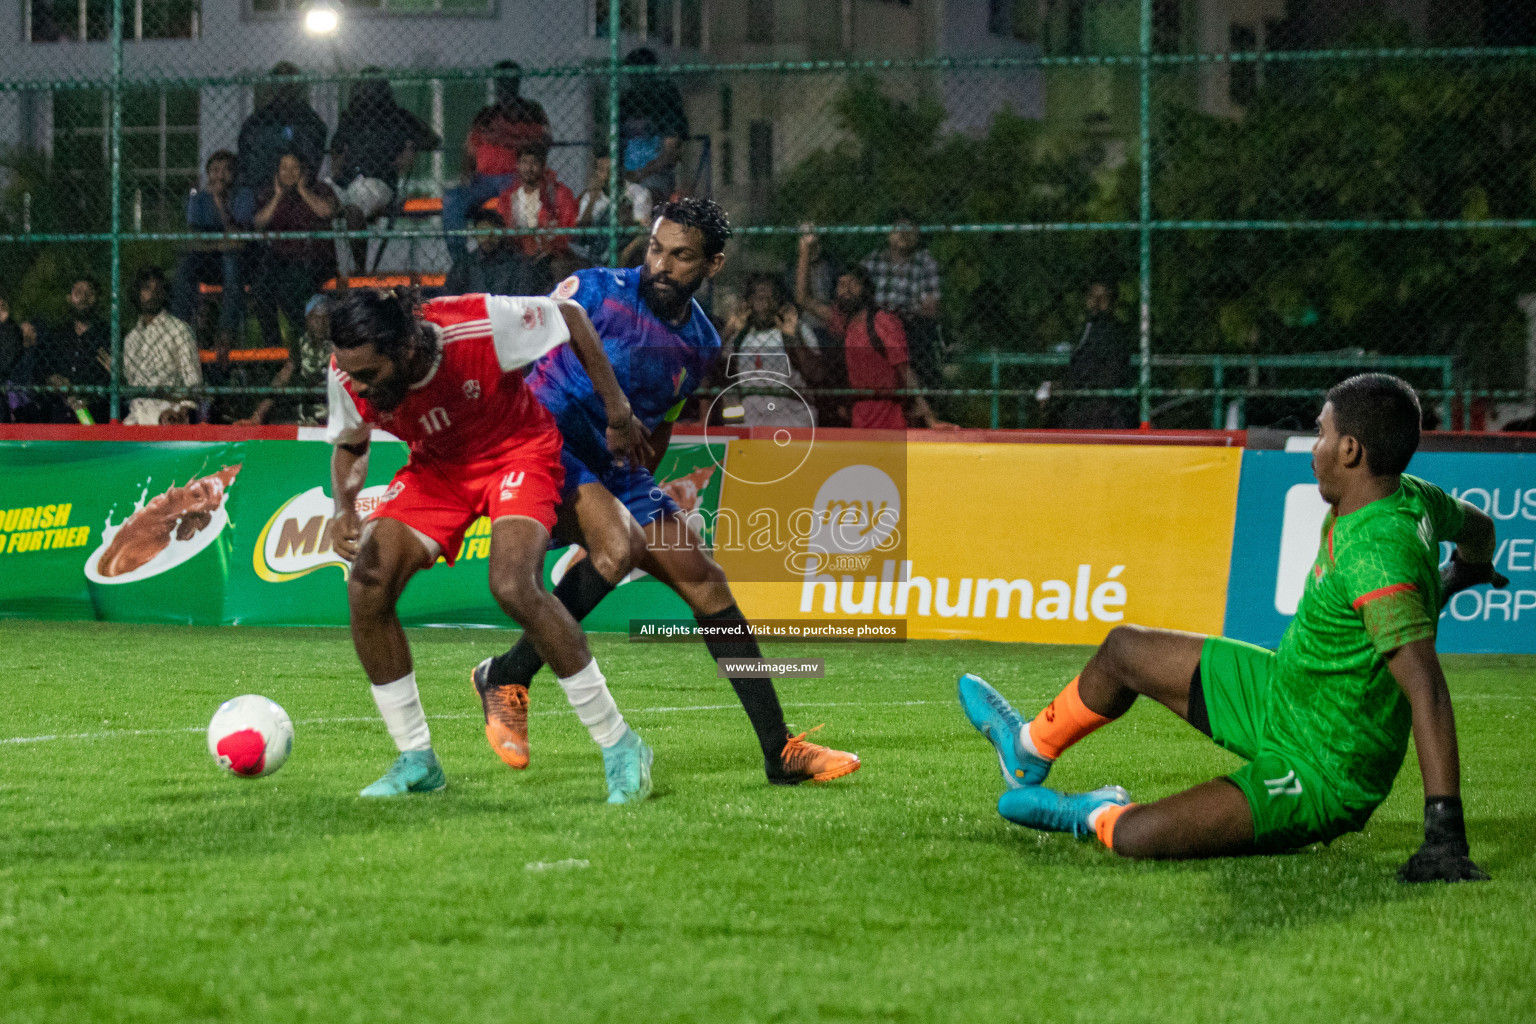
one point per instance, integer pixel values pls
(442, 500)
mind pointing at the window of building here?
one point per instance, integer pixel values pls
(1243, 86)
(1014, 19)
(759, 21)
(1167, 26)
(53, 21)
(669, 22)
(159, 151)
(760, 151)
(1076, 39)
(471, 7)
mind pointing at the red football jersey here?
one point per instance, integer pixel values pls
(473, 405)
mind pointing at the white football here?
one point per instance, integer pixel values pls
(250, 736)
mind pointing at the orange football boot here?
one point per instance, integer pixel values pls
(506, 716)
(802, 761)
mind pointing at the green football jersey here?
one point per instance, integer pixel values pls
(1374, 587)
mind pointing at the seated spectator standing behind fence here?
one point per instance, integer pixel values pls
(215, 208)
(497, 135)
(1100, 359)
(74, 352)
(652, 125)
(292, 270)
(907, 283)
(874, 345)
(13, 349)
(160, 352)
(283, 122)
(765, 343)
(539, 200)
(592, 212)
(372, 152)
(496, 265)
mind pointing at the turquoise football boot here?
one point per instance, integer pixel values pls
(1050, 811)
(996, 719)
(627, 766)
(414, 771)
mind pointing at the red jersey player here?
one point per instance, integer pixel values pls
(445, 378)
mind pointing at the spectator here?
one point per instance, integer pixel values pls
(765, 344)
(305, 366)
(13, 350)
(1100, 359)
(907, 283)
(160, 352)
(373, 150)
(592, 211)
(539, 200)
(495, 265)
(74, 352)
(652, 125)
(291, 270)
(496, 137)
(283, 123)
(215, 209)
(874, 345)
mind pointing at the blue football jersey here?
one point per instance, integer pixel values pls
(658, 365)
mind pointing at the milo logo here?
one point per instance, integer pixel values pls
(299, 539)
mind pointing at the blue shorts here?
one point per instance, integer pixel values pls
(633, 486)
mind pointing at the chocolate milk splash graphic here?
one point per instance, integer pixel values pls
(177, 514)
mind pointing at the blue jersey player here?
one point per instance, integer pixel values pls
(662, 346)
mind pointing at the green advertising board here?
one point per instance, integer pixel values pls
(240, 534)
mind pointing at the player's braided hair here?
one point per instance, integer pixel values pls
(383, 318)
(705, 214)
(1382, 413)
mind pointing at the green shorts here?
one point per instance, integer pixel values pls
(1293, 801)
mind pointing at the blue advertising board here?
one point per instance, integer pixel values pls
(1279, 515)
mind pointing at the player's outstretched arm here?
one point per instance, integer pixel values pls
(1444, 857)
(1472, 561)
(349, 469)
(627, 436)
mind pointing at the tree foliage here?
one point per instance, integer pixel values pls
(1390, 140)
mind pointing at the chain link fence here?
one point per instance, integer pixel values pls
(1082, 213)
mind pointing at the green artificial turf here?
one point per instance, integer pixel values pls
(140, 883)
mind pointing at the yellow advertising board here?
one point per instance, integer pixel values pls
(1042, 543)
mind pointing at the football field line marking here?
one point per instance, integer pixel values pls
(115, 733)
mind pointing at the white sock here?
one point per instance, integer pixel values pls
(1027, 743)
(400, 704)
(587, 691)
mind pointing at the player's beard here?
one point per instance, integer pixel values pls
(389, 394)
(666, 297)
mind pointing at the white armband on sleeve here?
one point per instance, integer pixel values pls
(524, 328)
(344, 424)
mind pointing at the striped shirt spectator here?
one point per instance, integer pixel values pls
(902, 285)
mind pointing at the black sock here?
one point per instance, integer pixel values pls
(580, 590)
(757, 696)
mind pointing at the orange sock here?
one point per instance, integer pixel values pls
(1064, 721)
(1105, 825)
